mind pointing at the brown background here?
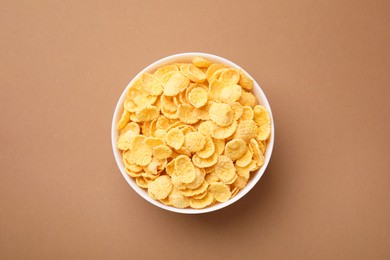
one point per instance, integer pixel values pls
(324, 66)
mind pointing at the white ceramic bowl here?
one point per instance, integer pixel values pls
(187, 57)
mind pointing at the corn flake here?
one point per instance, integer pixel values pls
(245, 81)
(245, 159)
(162, 152)
(197, 97)
(205, 162)
(237, 109)
(184, 169)
(230, 76)
(147, 113)
(125, 118)
(192, 192)
(175, 138)
(151, 84)
(141, 153)
(225, 168)
(160, 187)
(176, 83)
(230, 93)
(208, 149)
(221, 114)
(202, 203)
(223, 132)
(178, 200)
(220, 191)
(247, 99)
(247, 113)
(246, 130)
(187, 114)
(235, 149)
(193, 73)
(212, 69)
(201, 63)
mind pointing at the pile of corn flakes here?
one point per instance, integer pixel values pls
(192, 133)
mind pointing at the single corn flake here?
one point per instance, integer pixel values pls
(133, 127)
(183, 150)
(169, 114)
(235, 148)
(205, 162)
(237, 109)
(247, 99)
(168, 104)
(263, 132)
(199, 179)
(162, 71)
(220, 191)
(162, 122)
(151, 84)
(202, 113)
(262, 145)
(212, 69)
(198, 97)
(247, 113)
(178, 200)
(133, 174)
(160, 133)
(160, 187)
(235, 191)
(230, 93)
(125, 140)
(212, 177)
(144, 100)
(261, 116)
(246, 130)
(225, 168)
(176, 83)
(257, 154)
(194, 141)
(184, 169)
(221, 114)
(187, 114)
(175, 138)
(200, 62)
(162, 152)
(142, 182)
(202, 203)
(141, 153)
(208, 149)
(240, 182)
(230, 76)
(219, 145)
(215, 89)
(193, 73)
(223, 132)
(147, 113)
(245, 159)
(245, 81)
(125, 118)
(245, 171)
(130, 106)
(205, 128)
(191, 192)
(170, 168)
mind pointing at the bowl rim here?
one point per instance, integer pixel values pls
(172, 59)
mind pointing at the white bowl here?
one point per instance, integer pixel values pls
(187, 57)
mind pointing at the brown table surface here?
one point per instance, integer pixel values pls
(324, 66)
